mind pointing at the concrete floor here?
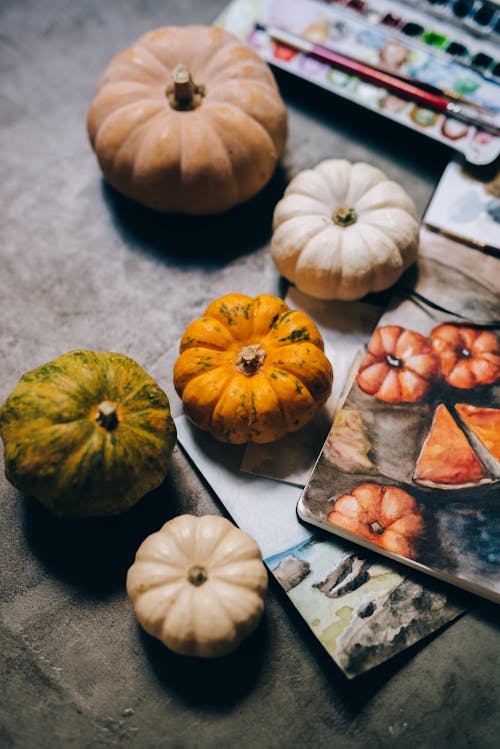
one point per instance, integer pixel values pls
(82, 267)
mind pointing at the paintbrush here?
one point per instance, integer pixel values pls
(425, 95)
(444, 92)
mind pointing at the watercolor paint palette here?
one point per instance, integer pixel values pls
(480, 17)
(394, 36)
(457, 28)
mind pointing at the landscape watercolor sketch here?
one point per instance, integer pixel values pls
(362, 611)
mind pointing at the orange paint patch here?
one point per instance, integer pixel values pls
(446, 456)
(484, 423)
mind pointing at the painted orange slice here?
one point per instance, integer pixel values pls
(447, 459)
(484, 423)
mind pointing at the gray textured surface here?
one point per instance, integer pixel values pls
(81, 267)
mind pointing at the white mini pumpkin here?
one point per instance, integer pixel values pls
(198, 585)
(343, 230)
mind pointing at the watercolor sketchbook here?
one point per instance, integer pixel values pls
(404, 38)
(411, 465)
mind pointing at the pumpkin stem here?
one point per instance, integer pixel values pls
(376, 527)
(197, 575)
(106, 416)
(344, 216)
(393, 361)
(184, 94)
(250, 359)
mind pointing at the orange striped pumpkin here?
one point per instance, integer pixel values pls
(252, 369)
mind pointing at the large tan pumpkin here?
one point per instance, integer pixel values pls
(189, 119)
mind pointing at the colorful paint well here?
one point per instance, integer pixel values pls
(455, 21)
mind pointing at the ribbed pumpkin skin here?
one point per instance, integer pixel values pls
(291, 382)
(201, 161)
(206, 619)
(342, 230)
(56, 450)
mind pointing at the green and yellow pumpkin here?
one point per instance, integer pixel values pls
(88, 434)
(252, 369)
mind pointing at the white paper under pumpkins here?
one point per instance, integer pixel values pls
(198, 585)
(343, 230)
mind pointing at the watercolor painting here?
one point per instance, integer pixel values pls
(361, 610)
(465, 206)
(411, 465)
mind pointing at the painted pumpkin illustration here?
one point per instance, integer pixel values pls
(468, 356)
(385, 515)
(399, 367)
(252, 369)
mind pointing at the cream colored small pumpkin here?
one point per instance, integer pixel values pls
(198, 585)
(343, 230)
